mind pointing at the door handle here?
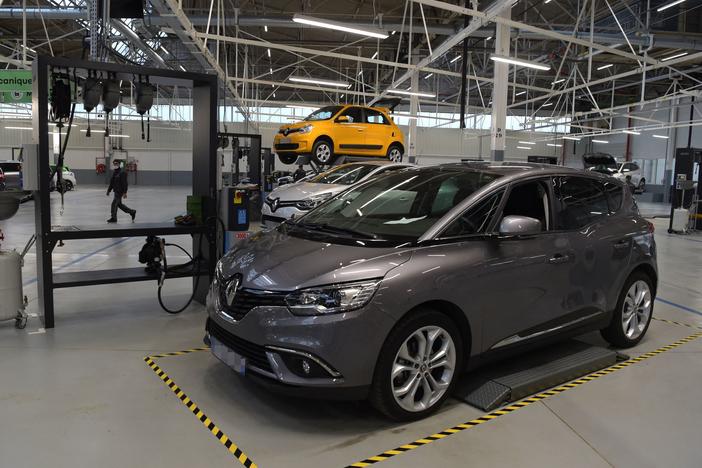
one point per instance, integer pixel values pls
(359, 129)
(559, 258)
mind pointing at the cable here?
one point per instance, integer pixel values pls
(194, 262)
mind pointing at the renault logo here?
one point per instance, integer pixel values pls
(286, 131)
(274, 204)
(230, 291)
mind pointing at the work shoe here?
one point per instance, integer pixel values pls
(112, 220)
(133, 215)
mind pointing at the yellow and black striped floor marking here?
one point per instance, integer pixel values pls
(192, 406)
(525, 402)
(673, 322)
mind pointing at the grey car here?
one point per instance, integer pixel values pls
(392, 289)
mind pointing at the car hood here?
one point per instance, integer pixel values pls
(304, 190)
(279, 262)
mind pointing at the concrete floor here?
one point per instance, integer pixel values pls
(81, 394)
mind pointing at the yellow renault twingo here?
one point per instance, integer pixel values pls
(349, 130)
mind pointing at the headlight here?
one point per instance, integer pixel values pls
(312, 202)
(331, 299)
(306, 129)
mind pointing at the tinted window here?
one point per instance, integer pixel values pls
(10, 166)
(325, 113)
(615, 194)
(375, 117)
(476, 219)
(355, 114)
(400, 205)
(529, 199)
(579, 201)
(346, 174)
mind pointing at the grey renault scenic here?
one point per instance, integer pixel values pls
(392, 289)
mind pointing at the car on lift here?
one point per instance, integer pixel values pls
(341, 130)
(393, 288)
(68, 178)
(294, 200)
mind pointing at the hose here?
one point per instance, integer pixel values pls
(194, 263)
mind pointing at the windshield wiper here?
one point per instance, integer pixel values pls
(334, 229)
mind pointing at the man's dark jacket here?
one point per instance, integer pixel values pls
(118, 182)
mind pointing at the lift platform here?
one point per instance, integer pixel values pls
(496, 385)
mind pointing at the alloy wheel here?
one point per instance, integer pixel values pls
(323, 153)
(423, 368)
(636, 309)
(395, 155)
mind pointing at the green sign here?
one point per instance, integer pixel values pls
(16, 80)
(14, 97)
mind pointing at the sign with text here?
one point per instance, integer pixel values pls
(15, 86)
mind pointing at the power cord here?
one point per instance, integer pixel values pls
(194, 263)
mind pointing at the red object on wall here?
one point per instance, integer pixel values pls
(100, 168)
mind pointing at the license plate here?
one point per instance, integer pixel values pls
(285, 140)
(227, 356)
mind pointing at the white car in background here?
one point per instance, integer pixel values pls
(631, 169)
(67, 177)
(293, 200)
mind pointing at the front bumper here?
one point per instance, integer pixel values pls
(293, 143)
(266, 336)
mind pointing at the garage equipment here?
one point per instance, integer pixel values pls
(687, 167)
(204, 97)
(533, 372)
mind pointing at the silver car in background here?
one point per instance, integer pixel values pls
(294, 200)
(393, 288)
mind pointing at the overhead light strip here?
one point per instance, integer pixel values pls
(669, 5)
(604, 142)
(682, 54)
(299, 79)
(410, 93)
(603, 67)
(337, 26)
(524, 147)
(631, 132)
(662, 137)
(527, 142)
(520, 62)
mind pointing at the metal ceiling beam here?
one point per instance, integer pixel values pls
(134, 38)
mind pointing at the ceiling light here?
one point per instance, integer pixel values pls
(631, 132)
(298, 79)
(559, 81)
(163, 49)
(103, 131)
(547, 1)
(672, 4)
(342, 96)
(524, 147)
(553, 144)
(457, 57)
(520, 93)
(182, 67)
(265, 28)
(600, 141)
(605, 66)
(429, 76)
(662, 137)
(681, 54)
(268, 51)
(527, 142)
(360, 73)
(488, 38)
(270, 70)
(520, 62)
(571, 138)
(393, 33)
(374, 55)
(337, 26)
(18, 128)
(410, 93)
(547, 104)
(28, 48)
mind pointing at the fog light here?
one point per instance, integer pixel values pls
(306, 366)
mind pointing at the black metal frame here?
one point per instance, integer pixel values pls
(204, 184)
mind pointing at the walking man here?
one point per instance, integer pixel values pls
(118, 184)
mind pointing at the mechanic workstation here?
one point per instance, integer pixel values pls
(338, 234)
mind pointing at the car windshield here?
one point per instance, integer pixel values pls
(397, 207)
(10, 166)
(346, 174)
(325, 113)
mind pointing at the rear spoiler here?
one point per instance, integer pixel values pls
(387, 103)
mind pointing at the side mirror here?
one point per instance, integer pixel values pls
(343, 119)
(519, 226)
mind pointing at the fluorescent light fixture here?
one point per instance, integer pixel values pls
(337, 26)
(671, 4)
(559, 81)
(662, 137)
(274, 95)
(605, 66)
(604, 142)
(429, 76)
(18, 128)
(103, 131)
(374, 55)
(631, 132)
(571, 138)
(520, 93)
(548, 104)
(393, 33)
(28, 48)
(488, 38)
(268, 51)
(681, 54)
(182, 67)
(457, 57)
(524, 147)
(527, 142)
(547, 1)
(554, 145)
(299, 79)
(360, 73)
(519, 62)
(270, 70)
(163, 49)
(265, 28)
(410, 93)
(342, 96)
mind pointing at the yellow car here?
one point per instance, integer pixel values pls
(341, 130)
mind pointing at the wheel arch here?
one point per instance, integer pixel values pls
(649, 271)
(397, 143)
(323, 137)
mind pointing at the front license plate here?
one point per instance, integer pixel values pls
(285, 140)
(227, 356)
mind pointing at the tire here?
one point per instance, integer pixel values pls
(620, 331)
(642, 186)
(68, 185)
(404, 337)
(395, 153)
(287, 158)
(323, 152)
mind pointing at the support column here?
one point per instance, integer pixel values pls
(414, 108)
(672, 144)
(499, 91)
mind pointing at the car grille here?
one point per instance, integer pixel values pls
(281, 204)
(289, 131)
(247, 299)
(254, 354)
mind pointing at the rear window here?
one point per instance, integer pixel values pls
(615, 195)
(10, 166)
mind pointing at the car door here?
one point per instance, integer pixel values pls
(378, 130)
(350, 136)
(584, 209)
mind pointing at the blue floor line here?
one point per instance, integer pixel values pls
(684, 238)
(80, 259)
(679, 306)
